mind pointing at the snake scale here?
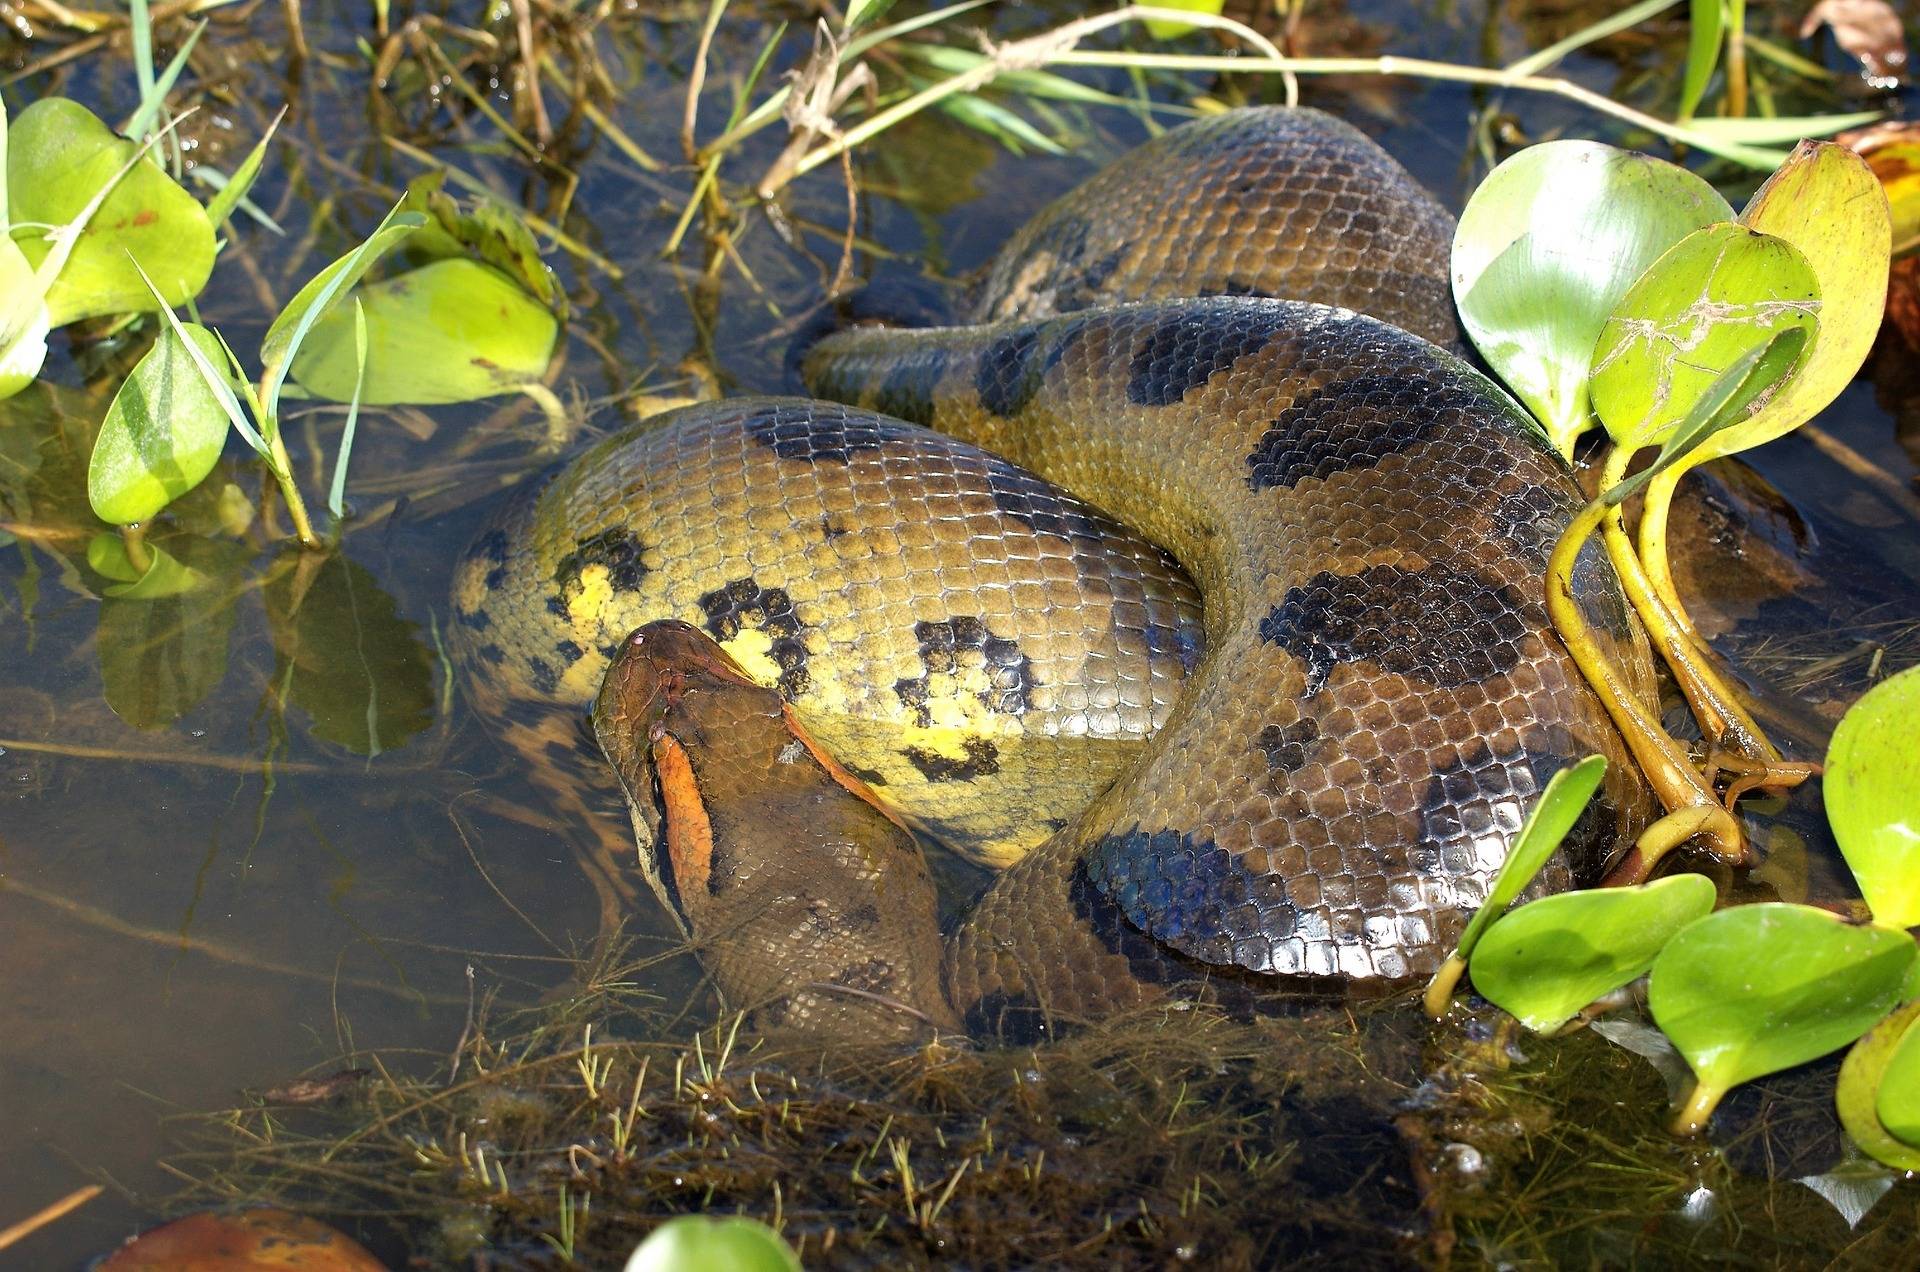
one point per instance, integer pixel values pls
(1197, 516)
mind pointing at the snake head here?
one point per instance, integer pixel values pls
(647, 689)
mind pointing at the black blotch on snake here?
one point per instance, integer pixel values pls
(1182, 353)
(616, 548)
(1355, 423)
(982, 758)
(743, 603)
(1444, 625)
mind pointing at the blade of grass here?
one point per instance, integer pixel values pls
(140, 28)
(1706, 32)
(1631, 16)
(216, 383)
(234, 192)
(274, 375)
(155, 97)
(336, 498)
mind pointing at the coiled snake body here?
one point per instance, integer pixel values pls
(1354, 684)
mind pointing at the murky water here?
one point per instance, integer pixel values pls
(254, 833)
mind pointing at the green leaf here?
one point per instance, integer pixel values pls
(696, 1243)
(23, 348)
(860, 12)
(1759, 988)
(162, 434)
(61, 155)
(1545, 249)
(1862, 1087)
(451, 331)
(1724, 403)
(1872, 790)
(1711, 298)
(1706, 32)
(228, 196)
(492, 233)
(359, 669)
(1825, 201)
(1899, 1090)
(1899, 1100)
(1168, 29)
(164, 575)
(1548, 959)
(322, 292)
(1552, 816)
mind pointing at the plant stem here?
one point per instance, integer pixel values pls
(1723, 719)
(134, 539)
(1693, 1115)
(1736, 58)
(281, 466)
(1668, 769)
(1440, 989)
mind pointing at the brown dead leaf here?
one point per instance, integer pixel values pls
(1867, 29)
(1892, 150)
(1903, 300)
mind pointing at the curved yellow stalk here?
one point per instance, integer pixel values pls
(1723, 719)
(1671, 773)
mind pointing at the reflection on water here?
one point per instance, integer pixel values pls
(251, 832)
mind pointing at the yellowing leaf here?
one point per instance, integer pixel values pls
(1825, 201)
(451, 331)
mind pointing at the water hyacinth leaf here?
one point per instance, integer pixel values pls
(1872, 791)
(1825, 201)
(1722, 404)
(1173, 29)
(1550, 958)
(162, 434)
(1899, 1100)
(322, 292)
(451, 331)
(163, 575)
(1546, 248)
(59, 157)
(1711, 298)
(1553, 815)
(1862, 1079)
(491, 232)
(1760, 988)
(359, 669)
(24, 322)
(696, 1243)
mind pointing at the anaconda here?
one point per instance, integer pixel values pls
(1354, 684)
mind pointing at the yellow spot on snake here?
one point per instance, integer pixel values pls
(584, 606)
(753, 650)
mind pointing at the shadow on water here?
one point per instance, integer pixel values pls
(252, 833)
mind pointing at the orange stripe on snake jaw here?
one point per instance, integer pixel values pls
(689, 829)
